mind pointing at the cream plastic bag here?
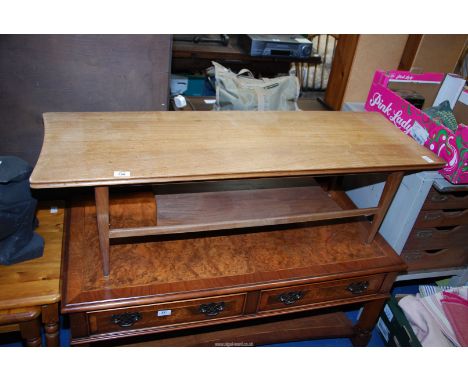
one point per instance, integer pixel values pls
(242, 91)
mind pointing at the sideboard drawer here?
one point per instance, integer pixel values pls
(437, 238)
(147, 316)
(445, 200)
(291, 297)
(441, 218)
(420, 259)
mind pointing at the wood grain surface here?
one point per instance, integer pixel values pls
(85, 149)
(16, 315)
(36, 282)
(283, 199)
(228, 209)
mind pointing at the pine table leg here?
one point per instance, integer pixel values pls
(50, 320)
(101, 195)
(31, 332)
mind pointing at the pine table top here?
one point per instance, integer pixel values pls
(36, 282)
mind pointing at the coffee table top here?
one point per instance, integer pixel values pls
(97, 149)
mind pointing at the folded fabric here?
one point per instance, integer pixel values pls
(428, 290)
(425, 327)
(456, 310)
(454, 297)
(433, 304)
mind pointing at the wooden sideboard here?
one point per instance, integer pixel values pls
(211, 218)
(189, 281)
(426, 223)
(438, 238)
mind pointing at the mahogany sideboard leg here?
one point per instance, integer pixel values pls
(101, 195)
(365, 325)
(389, 191)
(50, 320)
(31, 332)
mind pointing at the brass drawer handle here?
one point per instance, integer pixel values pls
(125, 320)
(212, 309)
(358, 287)
(290, 297)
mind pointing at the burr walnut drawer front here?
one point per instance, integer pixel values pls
(290, 297)
(148, 316)
(445, 200)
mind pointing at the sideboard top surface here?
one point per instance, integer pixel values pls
(95, 149)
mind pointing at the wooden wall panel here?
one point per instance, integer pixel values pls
(41, 73)
(439, 53)
(373, 52)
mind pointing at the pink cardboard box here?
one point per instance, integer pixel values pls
(452, 147)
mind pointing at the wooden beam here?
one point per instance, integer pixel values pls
(341, 67)
(409, 53)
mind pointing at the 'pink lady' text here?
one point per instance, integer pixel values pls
(394, 116)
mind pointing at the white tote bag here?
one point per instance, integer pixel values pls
(242, 91)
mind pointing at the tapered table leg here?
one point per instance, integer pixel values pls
(31, 332)
(389, 191)
(334, 183)
(101, 195)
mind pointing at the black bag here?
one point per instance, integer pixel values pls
(12, 217)
(14, 180)
(34, 248)
(18, 242)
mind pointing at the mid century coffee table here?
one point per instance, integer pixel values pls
(245, 217)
